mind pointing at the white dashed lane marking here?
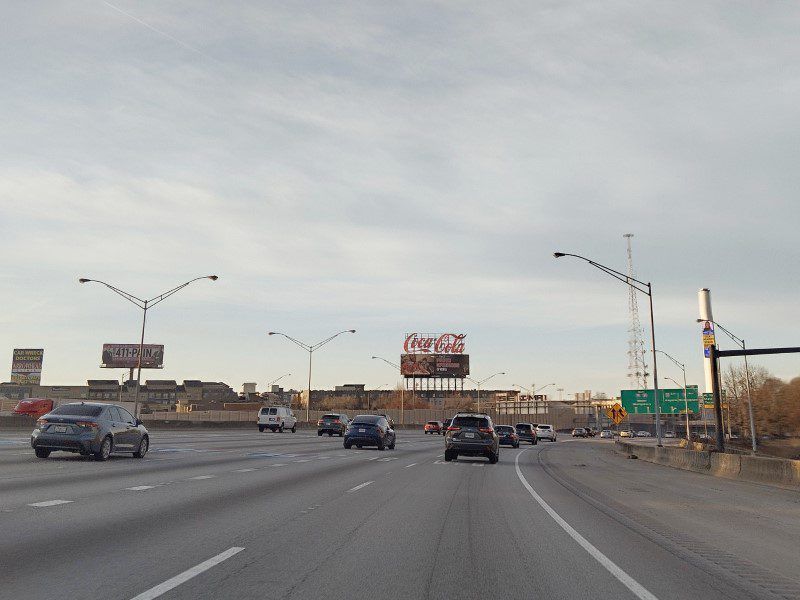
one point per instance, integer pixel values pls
(358, 487)
(140, 488)
(411, 465)
(48, 503)
(199, 477)
(243, 470)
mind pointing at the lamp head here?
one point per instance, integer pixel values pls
(83, 280)
(271, 333)
(351, 330)
(558, 254)
(213, 277)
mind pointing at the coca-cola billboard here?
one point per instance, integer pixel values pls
(434, 343)
(435, 365)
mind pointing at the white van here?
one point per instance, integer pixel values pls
(276, 418)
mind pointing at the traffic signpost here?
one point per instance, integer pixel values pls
(617, 413)
(671, 401)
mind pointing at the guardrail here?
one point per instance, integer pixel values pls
(781, 472)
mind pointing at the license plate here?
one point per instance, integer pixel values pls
(362, 431)
(60, 429)
(469, 435)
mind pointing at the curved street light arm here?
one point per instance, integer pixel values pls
(128, 296)
(626, 279)
(735, 338)
(679, 364)
(323, 342)
(303, 345)
(277, 379)
(388, 362)
(544, 386)
(522, 387)
(161, 297)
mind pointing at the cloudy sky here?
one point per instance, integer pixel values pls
(395, 167)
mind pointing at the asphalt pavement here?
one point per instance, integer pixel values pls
(242, 514)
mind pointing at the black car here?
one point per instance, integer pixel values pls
(90, 428)
(369, 430)
(471, 434)
(527, 432)
(506, 434)
(333, 423)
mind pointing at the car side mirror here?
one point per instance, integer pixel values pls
(138, 422)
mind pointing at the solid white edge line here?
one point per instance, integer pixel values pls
(174, 582)
(411, 465)
(358, 487)
(629, 582)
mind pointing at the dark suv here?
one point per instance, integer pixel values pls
(369, 430)
(527, 432)
(332, 423)
(471, 434)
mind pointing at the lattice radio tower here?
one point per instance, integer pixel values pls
(637, 368)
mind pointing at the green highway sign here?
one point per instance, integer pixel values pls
(640, 402)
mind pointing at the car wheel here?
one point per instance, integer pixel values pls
(144, 446)
(294, 428)
(359, 446)
(493, 457)
(341, 434)
(319, 433)
(330, 434)
(381, 447)
(448, 456)
(280, 428)
(391, 446)
(347, 445)
(105, 449)
(42, 452)
(261, 428)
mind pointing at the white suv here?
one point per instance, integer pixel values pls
(276, 418)
(545, 432)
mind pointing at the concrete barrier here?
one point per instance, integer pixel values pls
(758, 469)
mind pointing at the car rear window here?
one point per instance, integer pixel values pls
(433, 422)
(77, 410)
(365, 420)
(544, 426)
(330, 416)
(523, 427)
(476, 422)
(504, 429)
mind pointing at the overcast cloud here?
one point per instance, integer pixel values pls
(394, 167)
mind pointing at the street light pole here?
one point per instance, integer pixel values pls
(644, 288)
(402, 387)
(481, 382)
(310, 349)
(682, 367)
(740, 342)
(144, 305)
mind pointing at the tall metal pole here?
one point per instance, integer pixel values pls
(655, 366)
(308, 404)
(750, 403)
(686, 409)
(479, 397)
(139, 366)
(720, 433)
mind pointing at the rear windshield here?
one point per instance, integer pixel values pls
(330, 416)
(504, 429)
(544, 426)
(433, 422)
(77, 410)
(366, 420)
(476, 422)
(523, 427)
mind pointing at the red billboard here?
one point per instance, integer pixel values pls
(434, 365)
(126, 356)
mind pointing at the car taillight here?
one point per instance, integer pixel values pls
(319, 422)
(451, 428)
(87, 424)
(486, 430)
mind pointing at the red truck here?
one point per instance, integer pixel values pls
(34, 407)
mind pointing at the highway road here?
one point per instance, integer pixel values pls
(239, 514)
